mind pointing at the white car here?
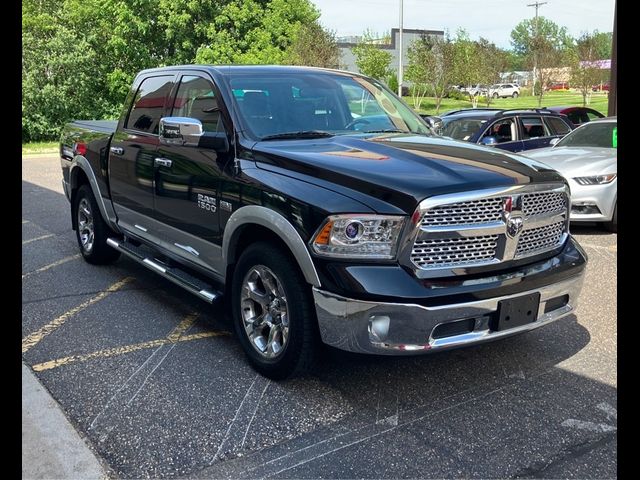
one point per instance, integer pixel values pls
(588, 158)
(504, 90)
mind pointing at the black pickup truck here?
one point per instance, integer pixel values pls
(321, 207)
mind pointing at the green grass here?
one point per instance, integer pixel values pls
(40, 147)
(599, 102)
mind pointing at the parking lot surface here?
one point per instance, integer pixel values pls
(153, 379)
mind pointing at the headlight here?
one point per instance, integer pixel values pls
(597, 179)
(359, 236)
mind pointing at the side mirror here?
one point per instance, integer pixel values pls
(180, 131)
(490, 140)
(554, 141)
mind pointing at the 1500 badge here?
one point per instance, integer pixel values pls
(206, 203)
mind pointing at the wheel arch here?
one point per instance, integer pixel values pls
(247, 223)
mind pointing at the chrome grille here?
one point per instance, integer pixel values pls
(454, 251)
(484, 210)
(537, 240)
(485, 227)
(545, 203)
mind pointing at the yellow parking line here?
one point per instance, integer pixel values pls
(37, 238)
(34, 338)
(174, 337)
(51, 265)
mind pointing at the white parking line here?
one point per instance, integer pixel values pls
(51, 265)
(37, 238)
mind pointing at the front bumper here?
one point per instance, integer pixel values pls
(397, 328)
(593, 203)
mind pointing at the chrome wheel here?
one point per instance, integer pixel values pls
(264, 311)
(85, 225)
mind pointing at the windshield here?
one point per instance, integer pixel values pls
(592, 134)
(462, 128)
(288, 103)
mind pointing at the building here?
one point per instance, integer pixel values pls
(346, 44)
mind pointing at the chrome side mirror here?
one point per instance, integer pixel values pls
(180, 131)
(489, 140)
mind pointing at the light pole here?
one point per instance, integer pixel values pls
(400, 72)
(535, 51)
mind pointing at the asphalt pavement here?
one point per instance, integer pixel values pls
(153, 382)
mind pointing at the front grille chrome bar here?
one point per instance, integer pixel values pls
(456, 233)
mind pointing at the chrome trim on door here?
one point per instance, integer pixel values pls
(117, 150)
(188, 248)
(255, 214)
(140, 227)
(162, 162)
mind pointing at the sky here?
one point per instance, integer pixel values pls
(491, 19)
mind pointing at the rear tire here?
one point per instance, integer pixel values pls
(514, 95)
(495, 95)
(92, 231)
(612, 226)
(273, 313)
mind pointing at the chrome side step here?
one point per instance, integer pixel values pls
(173, 274)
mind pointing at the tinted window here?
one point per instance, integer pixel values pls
(462, 128)
(532, 127)
(148, 104)
(196, 99)
(593, 116)
(557, 126)
(592, 134)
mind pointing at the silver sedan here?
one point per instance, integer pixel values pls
(588, 159)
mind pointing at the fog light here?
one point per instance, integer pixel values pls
(379, 327)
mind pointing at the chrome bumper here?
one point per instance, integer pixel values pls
(400, 329)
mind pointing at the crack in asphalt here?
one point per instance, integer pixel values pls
(537, 469)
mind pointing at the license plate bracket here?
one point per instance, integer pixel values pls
(518, 311)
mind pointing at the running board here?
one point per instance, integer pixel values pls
(173, 274)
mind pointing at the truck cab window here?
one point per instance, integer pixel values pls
(148, 104)
(196, 99)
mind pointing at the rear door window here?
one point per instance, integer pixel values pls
(149, 104)
(503, 130)
(557, 126)
(532, 127)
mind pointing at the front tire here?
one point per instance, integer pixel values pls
(273, 313)
(92, 231)
(612, 226)
(495, 95)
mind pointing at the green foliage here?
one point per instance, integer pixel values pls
(371, 60)
(79, 57)
(584, 75)
(314, 46)
(392, 82)
(524, 34)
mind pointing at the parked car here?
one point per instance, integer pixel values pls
(577, 115)
(601, 87)
(475, 90)
(588, 159)
(513, 130)
(320, 218)
(557, 86)
(504, 90)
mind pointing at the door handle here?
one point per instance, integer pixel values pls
(117, 150)
(163, 162)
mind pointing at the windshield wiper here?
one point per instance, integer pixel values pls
(300, 134)
(388, 130)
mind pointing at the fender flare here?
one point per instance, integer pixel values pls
(106, 209)
(265, 217)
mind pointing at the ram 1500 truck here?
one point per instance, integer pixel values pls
(322, 208)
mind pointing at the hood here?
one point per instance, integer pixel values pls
(578, 161)
(399, 169)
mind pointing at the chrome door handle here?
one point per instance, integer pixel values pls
(117, 150)
(163, 162)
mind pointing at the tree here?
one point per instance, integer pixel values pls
(467, 65)
(493, 61)
(545, 45)
(432, 60)
(314, 46)
(370, 59)
(584, 71)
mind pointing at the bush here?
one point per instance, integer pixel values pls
(392, 83)
(457, 95)
(525, 91)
